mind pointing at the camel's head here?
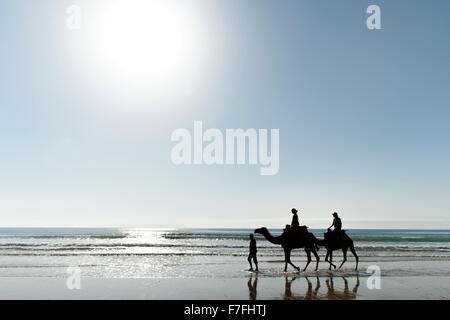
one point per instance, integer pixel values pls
(261, 230)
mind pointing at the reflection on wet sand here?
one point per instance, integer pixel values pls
(313, 291)
(252, 286)
(309, 295)
(346, 294)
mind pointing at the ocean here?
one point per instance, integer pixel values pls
(204, 253)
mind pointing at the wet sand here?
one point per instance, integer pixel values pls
(250, 286)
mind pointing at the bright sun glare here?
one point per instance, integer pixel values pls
(145, 43)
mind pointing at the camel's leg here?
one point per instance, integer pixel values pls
(331, 260)
(308, 254)
(328, 260)
(295, 267)
(317, 258)
(290, 262)
(344, 252)
(352, 249)
(286, 258)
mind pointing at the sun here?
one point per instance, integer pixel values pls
(150, 43)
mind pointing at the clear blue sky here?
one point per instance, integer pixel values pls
(363, 118)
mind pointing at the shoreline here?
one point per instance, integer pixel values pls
(210, 264)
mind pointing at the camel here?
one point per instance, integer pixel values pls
(294, 239)
(331, 243)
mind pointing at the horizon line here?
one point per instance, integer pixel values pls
(198, 228)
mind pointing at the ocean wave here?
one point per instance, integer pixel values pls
(400, 239)
(218, 247)
(78, 237)
(382, 236)
(356, 237)
(280, 256)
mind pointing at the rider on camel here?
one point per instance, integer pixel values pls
(294, 223)
(337, 223)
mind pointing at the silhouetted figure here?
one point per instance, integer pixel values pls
(337, 223)
(252, 287)
(295, 239)
(337, 239)
(294, 223)
(335, 234)
(252, 254)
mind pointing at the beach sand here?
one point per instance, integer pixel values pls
(250, 286)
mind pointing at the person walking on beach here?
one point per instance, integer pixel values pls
(252, 254)
(294, 223)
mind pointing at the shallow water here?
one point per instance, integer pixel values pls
(206, 253)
